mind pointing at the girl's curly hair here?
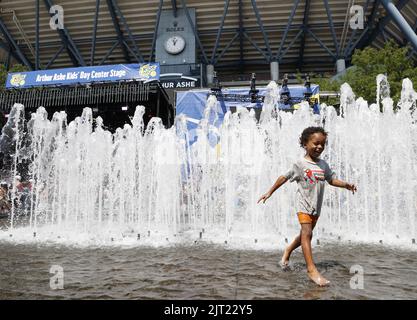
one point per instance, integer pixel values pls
(307, 132)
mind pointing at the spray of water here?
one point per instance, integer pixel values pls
(154, 186)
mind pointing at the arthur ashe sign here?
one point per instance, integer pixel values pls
(178, 81)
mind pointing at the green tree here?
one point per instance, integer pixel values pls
(391, 60)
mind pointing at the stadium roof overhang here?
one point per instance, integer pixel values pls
(243, 35)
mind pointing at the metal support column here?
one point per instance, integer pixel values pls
(331, 25)
(352, 36)
(340, 66)
(158, 17)
(289, 23)
(303, 36)
(274, 68)
(119, 33)
(50, 62)
(71, 47)
(9, 56)
(37, 64)
(13, 45)
(241, 36)
(279, 58)
(374, 29)
(267, 58)
(400, 22)
(209, 74)
(226, 48)
(203, 52)
(136, 53)
(174, 7)
(321, 44)
(93, 45)
(219, 32)
(261, 26)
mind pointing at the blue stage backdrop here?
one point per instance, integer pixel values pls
(192, 103)
(72, 76)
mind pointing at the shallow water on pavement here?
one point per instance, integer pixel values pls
(203, 272)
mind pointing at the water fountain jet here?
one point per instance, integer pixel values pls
(89, 181)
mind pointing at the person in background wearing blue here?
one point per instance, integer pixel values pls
(316, 107)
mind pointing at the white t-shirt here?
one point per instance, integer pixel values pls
(310, 177)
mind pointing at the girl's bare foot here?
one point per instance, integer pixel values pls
(318, 278)
(285, 260)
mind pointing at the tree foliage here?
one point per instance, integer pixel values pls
(391, 60)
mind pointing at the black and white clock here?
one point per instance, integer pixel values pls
(175, 44)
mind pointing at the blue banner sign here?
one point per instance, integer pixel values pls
(72, 76)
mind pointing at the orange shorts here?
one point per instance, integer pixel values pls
(307, 218)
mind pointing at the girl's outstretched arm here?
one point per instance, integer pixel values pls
(280, 181)
(343, 184)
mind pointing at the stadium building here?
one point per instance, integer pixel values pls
(198, 39)
(235, 37)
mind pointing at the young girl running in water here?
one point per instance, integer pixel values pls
(310, 173)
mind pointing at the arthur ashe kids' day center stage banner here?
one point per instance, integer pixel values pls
(72, 76)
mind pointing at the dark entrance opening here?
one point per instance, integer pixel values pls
(114, 102)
